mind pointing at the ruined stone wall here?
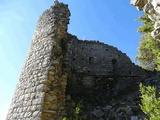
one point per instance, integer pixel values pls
(96, 58)
(40, 93)
(152, 8)
(92, 71)
(98, 71)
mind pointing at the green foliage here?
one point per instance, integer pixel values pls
(150, 105)
(147, 24)
(78, 115)
(148, 52)
(158, 62)
(148, 48)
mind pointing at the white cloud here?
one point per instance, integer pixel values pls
(9, 15)
(2, 29)
(17, 16)
(4, 110)
(7, 87)
(2, 54)
(84, 38)
(5, 98)
(1, 32)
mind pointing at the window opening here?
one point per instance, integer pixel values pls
(114, 61)
(91, 60)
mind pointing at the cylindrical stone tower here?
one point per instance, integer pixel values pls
(40, 93)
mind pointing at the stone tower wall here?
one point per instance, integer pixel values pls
(40, 93)
(57, 59)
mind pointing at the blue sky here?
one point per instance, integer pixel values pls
(109, 21)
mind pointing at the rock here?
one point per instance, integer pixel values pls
(129, 112)
(49, 98)
(53, 107)
(155, 33)
(36, 114)
(138, 3)
(68, 97)
(40, 88)
(101, 119)
(107, 108)
(58, 51)
(121, 109)
(119, 115)
(55, 62)
(152, 8)
(134, 118)
(134, 2)
(98, 113)
(112, 114)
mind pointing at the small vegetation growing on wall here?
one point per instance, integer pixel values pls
(78, 115)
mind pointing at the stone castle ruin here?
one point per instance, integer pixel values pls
(60, 68)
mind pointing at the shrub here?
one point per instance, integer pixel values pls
(150, 104)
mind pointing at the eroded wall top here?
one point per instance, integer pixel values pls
(96, 58)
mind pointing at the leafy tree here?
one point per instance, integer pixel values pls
(150, 104)
(148, 48)
(149, 58)
(147, 24)
(148, 52)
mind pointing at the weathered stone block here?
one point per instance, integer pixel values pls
(41, 88)
(36, 114)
